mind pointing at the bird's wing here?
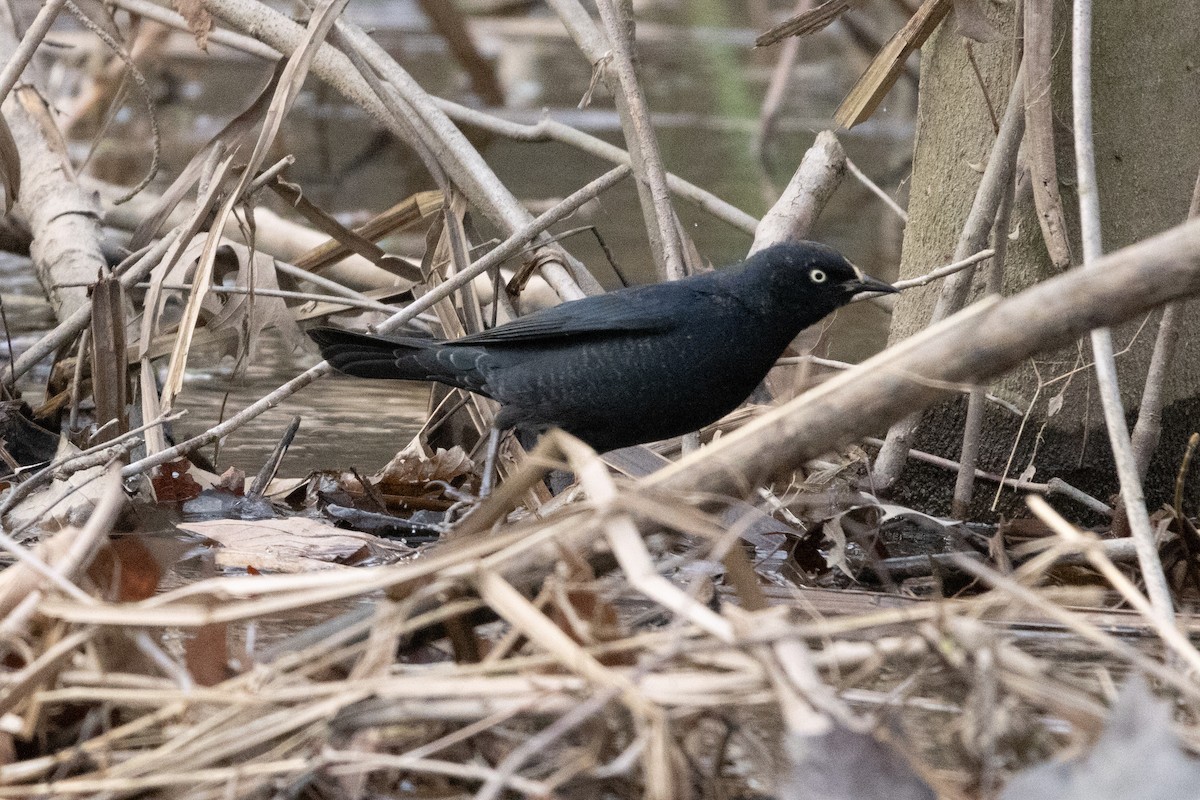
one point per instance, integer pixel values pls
(329, 337)
(644, 309)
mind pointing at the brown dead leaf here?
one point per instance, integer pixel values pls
(199, 21)
(412, 469)
(206, 654)
(405, 481)
(127, 569)
(173, 482)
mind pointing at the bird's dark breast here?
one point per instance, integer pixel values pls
(621, 390)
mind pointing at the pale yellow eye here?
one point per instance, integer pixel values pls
(817, 276)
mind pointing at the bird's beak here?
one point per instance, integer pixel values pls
(868, 284)
(862, 282)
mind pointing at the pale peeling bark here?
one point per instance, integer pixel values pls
(65, 220)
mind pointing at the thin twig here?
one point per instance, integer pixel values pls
(964, 484)
(143, 92)
(143, 262)
(76, 462)
(333, 287)
(1053, 486)
(614, 48)
(841, 365)
(506, 770)
(28, 46)
(1148, 428)
(153, 11)
(82, 545)
(324, 15)
(1106, 367)
(1076, 623)
(876, 190)
(541, 131)
(1089, 545)
(547, 130)
(643, 145)
(773, 98)
(888, 301)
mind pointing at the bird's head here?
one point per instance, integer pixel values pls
(813, 277)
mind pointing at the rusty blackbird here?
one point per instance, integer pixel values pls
(632, 366)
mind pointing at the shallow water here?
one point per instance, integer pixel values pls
(704, 84)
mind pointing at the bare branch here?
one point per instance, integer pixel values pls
(1106, 367)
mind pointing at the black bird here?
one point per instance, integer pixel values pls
(632, 366)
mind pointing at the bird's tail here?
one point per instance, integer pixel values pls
(366, 356)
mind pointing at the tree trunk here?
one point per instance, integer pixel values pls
(1146, 90)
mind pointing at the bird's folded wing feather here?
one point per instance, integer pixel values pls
(351, 340)
(645, 309)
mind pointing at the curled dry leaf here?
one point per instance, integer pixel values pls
(412, 470)
(237, 266)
